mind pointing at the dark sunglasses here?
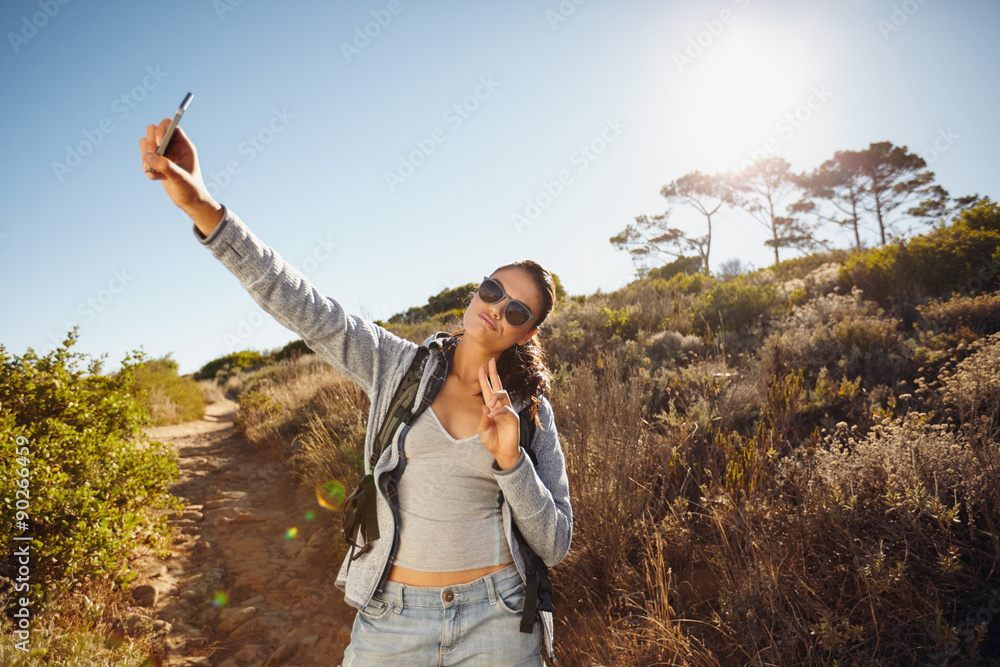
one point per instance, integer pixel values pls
(516, 313)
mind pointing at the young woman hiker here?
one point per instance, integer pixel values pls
(445, 584)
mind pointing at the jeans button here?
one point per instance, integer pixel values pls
(448, 595)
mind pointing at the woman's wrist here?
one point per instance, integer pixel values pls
(508, 462)
(206, 215)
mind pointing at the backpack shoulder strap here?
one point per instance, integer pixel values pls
(401, 405)
(527, 431)
(359, 519)
(538, 593)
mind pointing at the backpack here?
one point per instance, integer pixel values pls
(360, 519)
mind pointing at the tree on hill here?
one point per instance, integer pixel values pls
(651, 236)
(761, 190)
(839, 186)
(651, 239)
(891, 177)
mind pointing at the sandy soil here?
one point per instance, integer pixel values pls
(250, 577)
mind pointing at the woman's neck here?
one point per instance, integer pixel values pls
(467, 359)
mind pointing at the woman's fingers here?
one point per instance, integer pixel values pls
(159, 165)
(494, 376)
(484, 384)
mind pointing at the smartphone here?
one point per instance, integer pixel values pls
(173, 124)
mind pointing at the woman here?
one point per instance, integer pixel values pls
(445, 582)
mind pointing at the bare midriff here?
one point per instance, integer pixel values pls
(437, 579)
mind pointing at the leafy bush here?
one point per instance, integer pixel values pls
(962, 257)
(974, 385)
(680, 266)
(224, 367)
(169, 398)
(734, 306)
(847, 335)
(455, 298)
(292, 350)
(91, 479)
(979, 315)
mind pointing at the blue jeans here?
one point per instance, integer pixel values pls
(467, 624)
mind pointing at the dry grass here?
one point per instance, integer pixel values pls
(714, 522)
(211, 392)
(85, 630)
(306, 410)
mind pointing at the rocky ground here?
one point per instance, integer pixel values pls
(250, 577)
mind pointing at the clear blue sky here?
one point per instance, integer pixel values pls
(310, 127)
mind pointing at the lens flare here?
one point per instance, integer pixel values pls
(331, 495)
(291, 533)
(310, 515)
(220, 600)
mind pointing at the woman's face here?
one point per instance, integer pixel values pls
(486, 322)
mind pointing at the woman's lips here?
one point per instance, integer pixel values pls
(487, 322)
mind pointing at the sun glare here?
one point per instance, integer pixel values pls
(738, 94)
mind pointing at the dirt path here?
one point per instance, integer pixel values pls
(245, 534)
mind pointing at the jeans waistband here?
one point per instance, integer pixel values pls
(484, 588)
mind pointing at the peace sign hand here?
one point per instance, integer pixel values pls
(499, 427)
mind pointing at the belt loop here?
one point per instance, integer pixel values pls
(397, 597)
(491, 590)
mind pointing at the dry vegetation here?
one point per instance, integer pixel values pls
(820, 500)
(777, 469)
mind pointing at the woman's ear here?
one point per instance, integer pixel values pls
(526, 337)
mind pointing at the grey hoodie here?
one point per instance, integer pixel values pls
(537, 497)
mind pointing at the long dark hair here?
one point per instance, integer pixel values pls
(522, 368)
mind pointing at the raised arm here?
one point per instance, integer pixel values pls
(362, 350)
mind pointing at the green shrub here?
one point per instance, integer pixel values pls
(847, 335)
(91, 478)
(293, 350)
(256, 408)
(447, 300)
(961, 257)
(680, 266)
(224, 367)
(621, 322)
(734, 306)
(979, 315)
(169, 398)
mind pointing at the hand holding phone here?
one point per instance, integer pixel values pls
(173, 125)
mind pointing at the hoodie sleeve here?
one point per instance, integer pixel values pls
(539, 495)
(361, 350)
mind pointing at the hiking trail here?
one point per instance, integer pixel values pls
(250, 577)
